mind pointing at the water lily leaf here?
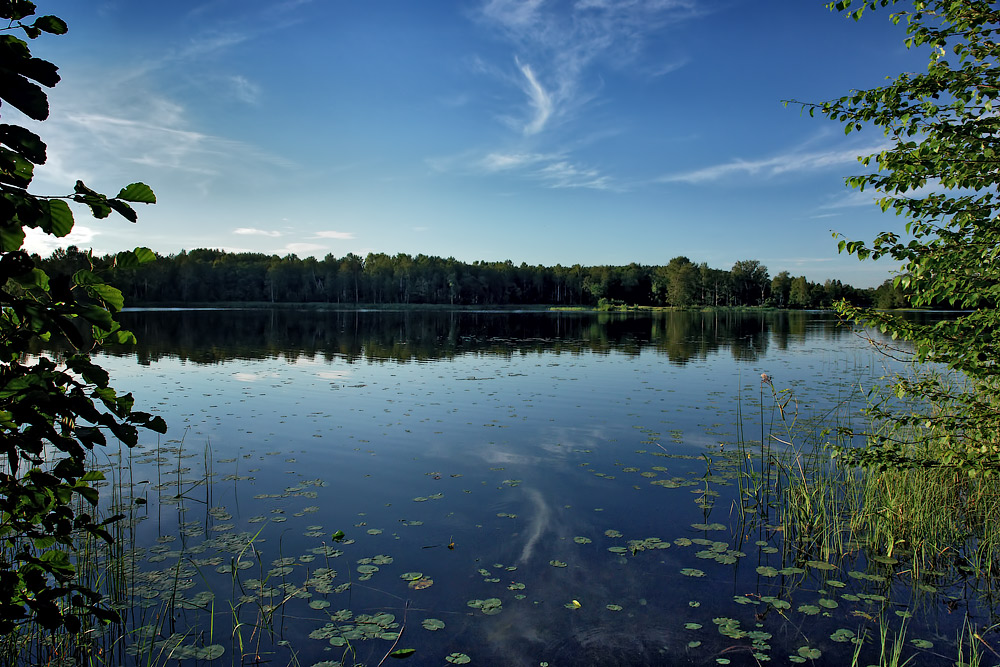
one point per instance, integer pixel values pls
(402, 653)
(692, 572)
(842, 635)
(808, 609)
(458, 659)
(557, 563)
(820, 565)
(613, 607)
(809, 653)
(767, 571)
(432, 624)
(210, 652)
(582, 540)
(708, 526)
(411, 576)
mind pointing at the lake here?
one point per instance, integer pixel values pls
(497, 488)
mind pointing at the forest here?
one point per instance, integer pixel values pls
(216, 276)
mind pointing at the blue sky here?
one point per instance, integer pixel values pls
(541, 131)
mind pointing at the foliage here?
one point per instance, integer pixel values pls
(214, 276)
(939, 172)
(51, 414)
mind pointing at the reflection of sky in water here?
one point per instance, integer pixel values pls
(528, 452)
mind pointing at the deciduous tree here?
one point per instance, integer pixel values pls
(52, 412)
(939, 173)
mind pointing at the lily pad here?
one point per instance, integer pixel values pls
(458, 659)
(692, 572)
(432, 624)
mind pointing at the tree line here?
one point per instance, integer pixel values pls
(216, 276)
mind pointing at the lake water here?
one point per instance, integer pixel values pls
(512, 488)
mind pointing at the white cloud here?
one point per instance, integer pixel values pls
(562, 46)
(541, 101)
(774, 166)
(330, 234)
(505, 161)
(37, 241)
(249, 231)
(565, 175)
(245, 90)
(298, 248)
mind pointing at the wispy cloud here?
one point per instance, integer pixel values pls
(566, 175)
(552, 170)
(769, 167)
(557, 47)
(541, 101)
(245, 90)
(330, 234)
(250, 231)
(504, 161)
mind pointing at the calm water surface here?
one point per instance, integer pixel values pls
(513, 489)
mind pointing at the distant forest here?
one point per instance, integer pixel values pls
(216, 276)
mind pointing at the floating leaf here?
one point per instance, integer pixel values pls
(809, 653)
(458, 659)
(210, 652)
(922, 643)
(808, 609)
(403, 653)
(411, 576)
(842, 635)
(432, 624)
(767, 571)
(708, 526)
(557, 563)
(820, 565)
(613, 607)
(692, 572)
(582, 540)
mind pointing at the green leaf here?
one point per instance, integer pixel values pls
(86, 277)
(123, 209)
(11, 238)
(402, 653)
(137, 192)
(24, 95)
(144, 255)
(88, 492)
(51, 24)
(26, 143)
(57, 218)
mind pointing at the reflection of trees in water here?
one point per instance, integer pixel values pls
(212, 336)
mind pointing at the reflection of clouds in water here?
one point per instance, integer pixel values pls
(541, 517)
(333, 375)
(253, 377)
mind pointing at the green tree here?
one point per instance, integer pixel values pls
(781, 287)
(940, 173)
(51, 413)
